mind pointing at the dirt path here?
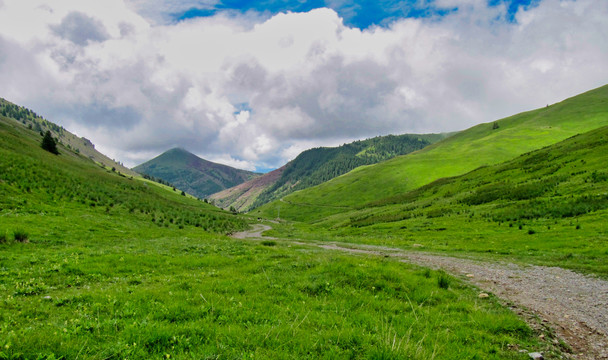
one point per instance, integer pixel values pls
(254, 233)
(574, 305)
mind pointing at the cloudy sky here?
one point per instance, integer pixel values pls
(251, 83)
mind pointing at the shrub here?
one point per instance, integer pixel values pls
(269, 243)
(531, 232)
(20, 236)
(3, 238)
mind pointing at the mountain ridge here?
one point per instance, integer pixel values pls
(317, 165)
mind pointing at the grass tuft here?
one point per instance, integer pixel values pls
(443, 281)
(21, 236)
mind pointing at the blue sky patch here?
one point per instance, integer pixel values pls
(361, 14)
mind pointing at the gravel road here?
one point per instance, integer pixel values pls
(575, 306)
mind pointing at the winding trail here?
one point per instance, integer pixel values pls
(574, 305)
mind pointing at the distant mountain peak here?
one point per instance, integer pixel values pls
(193, 174)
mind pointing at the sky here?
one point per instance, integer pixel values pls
(252, 83)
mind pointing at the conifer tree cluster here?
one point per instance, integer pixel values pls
(49, 144)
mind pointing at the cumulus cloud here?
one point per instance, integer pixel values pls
(254, 93)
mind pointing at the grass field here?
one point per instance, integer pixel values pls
(185, 294)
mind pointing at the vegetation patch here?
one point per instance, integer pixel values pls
(20, 236)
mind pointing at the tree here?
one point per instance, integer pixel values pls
(49, 144)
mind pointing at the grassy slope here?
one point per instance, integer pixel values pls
(546, 207)
(463, 152)
(192, 174)
(35, 182)
(100, 279)
(315, 166)
(81, 145)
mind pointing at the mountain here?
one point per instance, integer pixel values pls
(192, 174)
(80, 145)
(315, 166)
(482, 145)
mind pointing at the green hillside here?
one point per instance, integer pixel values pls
(315, 166)
(97, 265)
(549, 206)
(80, 145)
(484, 144)
(69, 188)
(192, 174)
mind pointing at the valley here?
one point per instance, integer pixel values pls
(386, 261)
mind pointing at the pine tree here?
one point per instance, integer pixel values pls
(49, 144)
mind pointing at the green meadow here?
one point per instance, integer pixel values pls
(185, 295)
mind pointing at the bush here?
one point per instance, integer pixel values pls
(3, 238)
(20, 236)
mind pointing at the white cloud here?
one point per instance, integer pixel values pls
(123, 75)
(227, 159)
